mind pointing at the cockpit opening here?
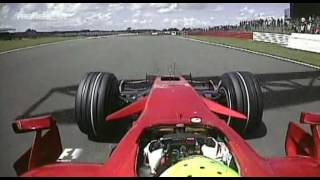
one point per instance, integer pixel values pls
(162, 149)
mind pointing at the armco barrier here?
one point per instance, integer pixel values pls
(240, 35)
(281, 39)
(307, 42)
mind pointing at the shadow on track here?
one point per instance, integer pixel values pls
(279, 90)
(61, 116)
(284, 89)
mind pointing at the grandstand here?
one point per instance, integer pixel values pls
(299, 18)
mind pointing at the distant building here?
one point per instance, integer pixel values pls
(7, 30)
(6, 33)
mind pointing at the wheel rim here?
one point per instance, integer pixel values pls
(227, 101)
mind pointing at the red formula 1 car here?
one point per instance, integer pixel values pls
(179, 126)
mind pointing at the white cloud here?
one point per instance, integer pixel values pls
(143, 21)
(4, 11)
(244, 9)
(165, 20)
(137, 6)
(137, 13)
(48, 16)
(148, 14)
(50, 5)
(188, 22)
(65, 7)
(247, 10)
(68, 16)
(100, 16)
(115, 7)
(159, 5)
(194, 6)
(169, 8)
(30, 7)
(260, 15)
(218, 8)
(53, 12)
(247, 14)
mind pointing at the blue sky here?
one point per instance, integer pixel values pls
(117, 16)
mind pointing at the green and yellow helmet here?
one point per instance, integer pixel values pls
(199, 166)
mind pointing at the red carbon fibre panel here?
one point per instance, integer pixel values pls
(310, 118)
(298, 141)
(175, 102)
(218, 108)
(32, 124)
(46, 147)
(131, 109)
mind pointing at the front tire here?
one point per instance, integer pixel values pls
(243, 93)
(97, 97)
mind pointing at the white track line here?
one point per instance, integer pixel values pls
(254, 52)
(40, 45)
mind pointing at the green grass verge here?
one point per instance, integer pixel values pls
(268, 48)
(6, 45)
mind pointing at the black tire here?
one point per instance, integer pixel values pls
(243, 93)
(97, 97)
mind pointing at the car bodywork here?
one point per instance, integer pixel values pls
(171, 101)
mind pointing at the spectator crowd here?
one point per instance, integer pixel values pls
(300, 25)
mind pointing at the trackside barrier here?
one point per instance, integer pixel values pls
(281, 39)
(307, 42)
(239, 35)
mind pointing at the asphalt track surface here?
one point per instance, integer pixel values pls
(44, 79)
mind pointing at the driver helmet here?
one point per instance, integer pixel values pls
(199, 166)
